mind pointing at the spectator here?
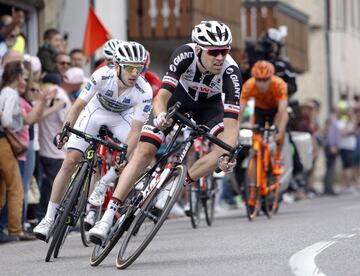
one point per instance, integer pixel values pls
(62, 63)
(72, 81)
(331, 144)
(77, 58)
(50, 157)
(11, 117)
(52, 45)
(9, 26)
(347, 146)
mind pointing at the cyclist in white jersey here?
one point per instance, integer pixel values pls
(116, 96)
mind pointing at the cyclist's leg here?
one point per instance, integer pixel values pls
(76, 146)
(119, 125)
(143, 155)
(208, 163)
(279, 145)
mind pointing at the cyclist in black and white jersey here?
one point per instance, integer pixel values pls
(116, 96)
(197, 75)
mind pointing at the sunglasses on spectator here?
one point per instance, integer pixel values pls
(65, 63)
(34, 89)
(130, 68)
(262, 79)
(214, 52)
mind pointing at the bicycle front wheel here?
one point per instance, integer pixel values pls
(208, 198)
(149, 218)
(194, 193)
(251, 189)
(65, 220)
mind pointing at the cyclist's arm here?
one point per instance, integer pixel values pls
(282, 107)
(133, 137)
(161, 101)
(179, 62)
(241, 112)
(232, 84)
(74, 111)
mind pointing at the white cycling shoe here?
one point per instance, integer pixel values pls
(97, 197)
(41, 231)
(99, 232)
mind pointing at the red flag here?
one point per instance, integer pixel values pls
(95, 34)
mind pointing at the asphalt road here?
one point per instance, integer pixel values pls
(311, 237)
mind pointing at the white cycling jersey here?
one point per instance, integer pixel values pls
(105, 107)
(103, 85)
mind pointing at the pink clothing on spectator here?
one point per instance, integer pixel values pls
(51, 125)
(23, 133)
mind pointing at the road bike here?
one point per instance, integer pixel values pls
(261, 184)
(202, 193)
(73, 203)
(145, 210)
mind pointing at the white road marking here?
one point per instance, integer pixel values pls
(303, 263)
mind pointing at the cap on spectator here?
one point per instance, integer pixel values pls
(52, 78)
(35, 62)
(74, 76)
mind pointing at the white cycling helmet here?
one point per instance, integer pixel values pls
(129, 52)
(110, 46)
(211, 33)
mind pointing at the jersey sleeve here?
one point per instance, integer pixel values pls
(283, 93)
(143, 107)
(245, 93)
(232, 84)
(92, 85)
(180, 60)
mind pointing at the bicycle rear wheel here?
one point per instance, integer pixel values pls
(270, 202)
(208, 198)
(67, 204)
(148, 219)
(194, 193)
(251, 189)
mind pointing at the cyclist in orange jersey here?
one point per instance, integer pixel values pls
(271, 101)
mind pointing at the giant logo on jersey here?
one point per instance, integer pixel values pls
(180, 57)
(235, 80)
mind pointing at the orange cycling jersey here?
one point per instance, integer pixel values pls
(275, 95)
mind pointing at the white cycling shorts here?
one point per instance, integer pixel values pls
(92, 118)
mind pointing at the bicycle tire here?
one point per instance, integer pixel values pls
(270, 202)
(251, 189)
(194, 194)
(69, 202)
(100, 252)
(177, 176)
(209, 199)
(61, 241)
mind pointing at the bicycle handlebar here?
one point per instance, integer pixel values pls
(89, 138)
(204, 130)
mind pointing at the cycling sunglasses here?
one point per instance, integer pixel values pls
(130, 68)
(214, 52)
(262, 79)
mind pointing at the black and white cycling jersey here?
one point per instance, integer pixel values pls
(200, 94)
(184, 75)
